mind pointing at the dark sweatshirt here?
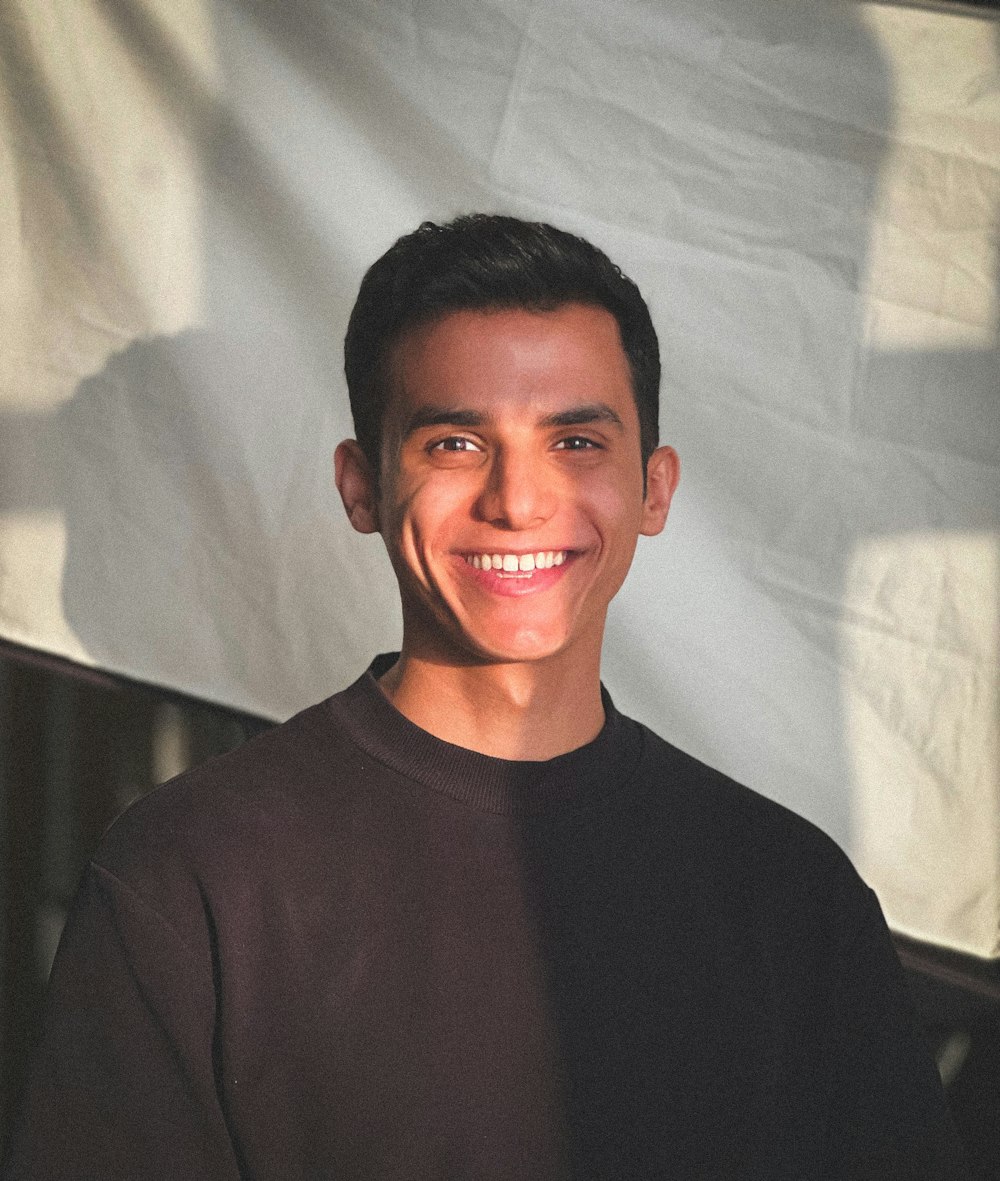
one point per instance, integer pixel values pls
(351, 950)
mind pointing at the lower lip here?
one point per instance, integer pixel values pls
(524, 582)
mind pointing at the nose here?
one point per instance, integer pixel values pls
(519, 492)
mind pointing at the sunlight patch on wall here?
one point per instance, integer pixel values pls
(100, 226)
(32, 551)
(920, 648)
(933, 257)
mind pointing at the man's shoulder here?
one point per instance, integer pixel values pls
(738, 834)
(229, 806)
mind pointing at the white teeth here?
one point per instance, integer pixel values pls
(517, 563)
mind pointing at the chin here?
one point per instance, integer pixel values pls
(527, 649)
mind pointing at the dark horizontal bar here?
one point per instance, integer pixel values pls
(117, 682)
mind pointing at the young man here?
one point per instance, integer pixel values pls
(463, 919)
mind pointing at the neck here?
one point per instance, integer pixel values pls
(531, 711)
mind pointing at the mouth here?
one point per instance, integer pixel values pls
(521, 566)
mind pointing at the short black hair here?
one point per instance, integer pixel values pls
(484, 262)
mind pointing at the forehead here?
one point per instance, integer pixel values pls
(508, 360)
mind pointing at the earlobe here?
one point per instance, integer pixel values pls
(356, 485)
(662, 473)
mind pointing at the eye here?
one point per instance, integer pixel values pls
(578, 443)
(454, 443)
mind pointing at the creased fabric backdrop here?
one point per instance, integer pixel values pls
(807, 192)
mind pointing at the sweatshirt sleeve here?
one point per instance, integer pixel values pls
(889, 1120)
(122, 1084)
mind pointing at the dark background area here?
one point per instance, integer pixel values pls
(78, 746)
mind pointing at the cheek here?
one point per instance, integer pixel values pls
(616, 510)
(426, 516)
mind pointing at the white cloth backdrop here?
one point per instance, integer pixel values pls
(807, 191)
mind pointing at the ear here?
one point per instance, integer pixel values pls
(662, 473)
(356, 485)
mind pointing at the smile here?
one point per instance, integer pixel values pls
(519, 565)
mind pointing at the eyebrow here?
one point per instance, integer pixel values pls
(442, 416)
(582, 415)
(430, 416)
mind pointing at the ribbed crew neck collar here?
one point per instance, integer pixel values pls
(502, 786)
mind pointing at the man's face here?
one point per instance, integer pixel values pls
(512, 486)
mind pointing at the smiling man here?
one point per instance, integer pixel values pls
(509, 489)
(463, 919)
